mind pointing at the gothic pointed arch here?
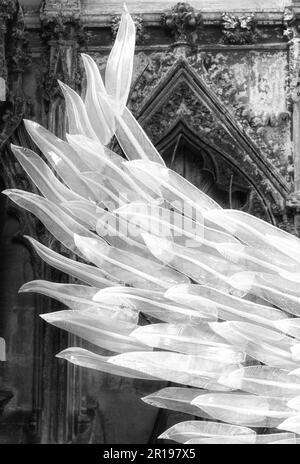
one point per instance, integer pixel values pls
(182, 102)
(185, 152)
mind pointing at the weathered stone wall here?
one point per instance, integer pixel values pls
(18, 320)
(254, 85)
(203, 5)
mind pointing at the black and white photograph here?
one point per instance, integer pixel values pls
(149, 227)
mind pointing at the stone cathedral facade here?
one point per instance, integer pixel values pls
(217, 88)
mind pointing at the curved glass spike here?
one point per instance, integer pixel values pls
(267, 439)
(286, 441)
(151, 294)
(89, 319)
(59, 153)
(176, 399)
(263, 334)
(42, 176)
(290, 326)
(155, 305)
(127, 267)
(257, 260)
(97, 103)
(227, 307)
(119, 67)
(121, 234)
(189, 430)
(126, 192)
(75, 293)
(149, 184)
(295, 350)
(256, 233)
(200, 266)
(201, 334)
(98, 160)
(84, 272)
(62, 158)
(291, 423)
(263, 380)
(103, 190)
(80, 298)
(133, 139)
(188, 340)
(295, 372)
(85, 212)
(179, 192)
(165, 222)
(236, 440)
(78, 120)
(286, 246)
(244, 409)
(279, 282)
(90, 150)
(85, 358)
(276, 290)
(93, 151)
(269, 347)
(294, 403)
(58, 222)
(106, 333)
(271, 438)
(174, 367)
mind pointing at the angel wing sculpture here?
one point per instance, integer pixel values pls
(150, 243)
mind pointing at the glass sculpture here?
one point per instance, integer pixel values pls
(219, 288)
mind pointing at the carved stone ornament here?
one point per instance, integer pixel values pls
(61, 27)
(19, 56)
(141, 33)
(182, 21)
(293, 201)
(61, 20)
(238, 30)
(7, 8)
(290, 24)
(65, 7)
(14, 57)
(63, 32)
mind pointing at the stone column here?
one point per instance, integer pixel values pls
(292, 33)
(62, 33)
(7, 9)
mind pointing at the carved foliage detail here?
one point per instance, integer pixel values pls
(182, 21)
(268, 128)
(66, 7)
(62, 27)
(238, 30)
(141, 32)
(290, 24)
(14, 57)
(62, 32)
(19, 56)
(7, 8)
